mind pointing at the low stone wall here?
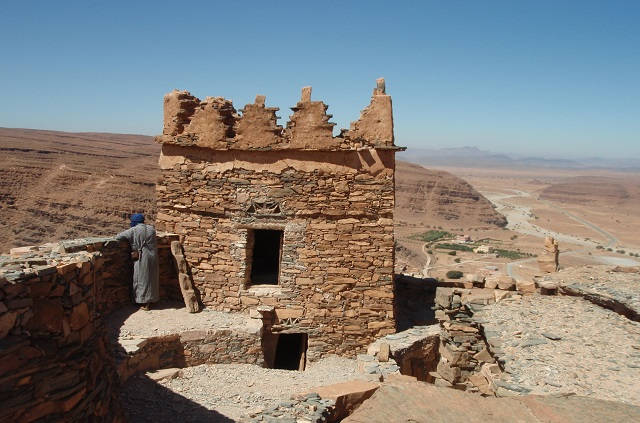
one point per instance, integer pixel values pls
(190, 348)
(54, 363)
(54, 360)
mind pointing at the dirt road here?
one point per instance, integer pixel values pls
(519, 216)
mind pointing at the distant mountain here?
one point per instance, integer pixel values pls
(475, 157)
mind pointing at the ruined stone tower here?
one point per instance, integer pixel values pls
(292, 219)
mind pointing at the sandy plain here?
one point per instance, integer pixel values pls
(593, 213)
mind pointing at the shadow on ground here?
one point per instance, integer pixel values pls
(145, 400)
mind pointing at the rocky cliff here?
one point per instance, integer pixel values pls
(436, 197)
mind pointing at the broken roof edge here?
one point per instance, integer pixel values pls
(352, 146)
(214, 123)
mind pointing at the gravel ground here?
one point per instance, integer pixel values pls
(227, 391)
(166, 318)
(558, 344)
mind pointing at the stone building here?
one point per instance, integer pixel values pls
(291, 222)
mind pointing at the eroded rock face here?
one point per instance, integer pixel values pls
(440, 197)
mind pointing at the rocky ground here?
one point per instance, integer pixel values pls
(562, 344)
(228, 392)
(406, 401)
(617, 286)
(166, 318)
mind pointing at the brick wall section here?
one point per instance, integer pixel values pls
(55, 360)
(224, 175)
(336, 273)
(192, 348)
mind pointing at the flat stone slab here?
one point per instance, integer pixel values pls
(347, 395)
(408, 401)
(405, 339)
(561, 345)
(611, 287)
(131, 324)
(163, 374)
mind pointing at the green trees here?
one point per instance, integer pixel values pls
(454, 274)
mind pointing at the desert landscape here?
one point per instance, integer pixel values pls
(58, 185)
(320, 212)
(463, 232)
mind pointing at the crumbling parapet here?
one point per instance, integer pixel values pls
(215, 123)
(258, 127)
(309, 126)
(375, 126)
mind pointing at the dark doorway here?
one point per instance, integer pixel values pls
(265, 257)
(291, 351)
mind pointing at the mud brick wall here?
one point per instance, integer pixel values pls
(225, 175)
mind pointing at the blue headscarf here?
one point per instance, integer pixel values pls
(137, 218)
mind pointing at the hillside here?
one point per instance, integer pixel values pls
(437, 197)
(56, 185)
(590, 189)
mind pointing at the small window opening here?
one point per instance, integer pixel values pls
(265, 253)
(291, 351)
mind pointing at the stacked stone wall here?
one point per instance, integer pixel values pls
(55, 359)
(336, 274)
(191, 348)
(228, 172)
(466, 362)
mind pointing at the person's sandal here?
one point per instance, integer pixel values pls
(145, 307)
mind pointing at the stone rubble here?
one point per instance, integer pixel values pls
(560, 345)
(308, 409)
(615, 288)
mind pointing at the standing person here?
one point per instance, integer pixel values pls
(144, 253)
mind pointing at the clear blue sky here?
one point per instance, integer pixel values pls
(533, 77)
